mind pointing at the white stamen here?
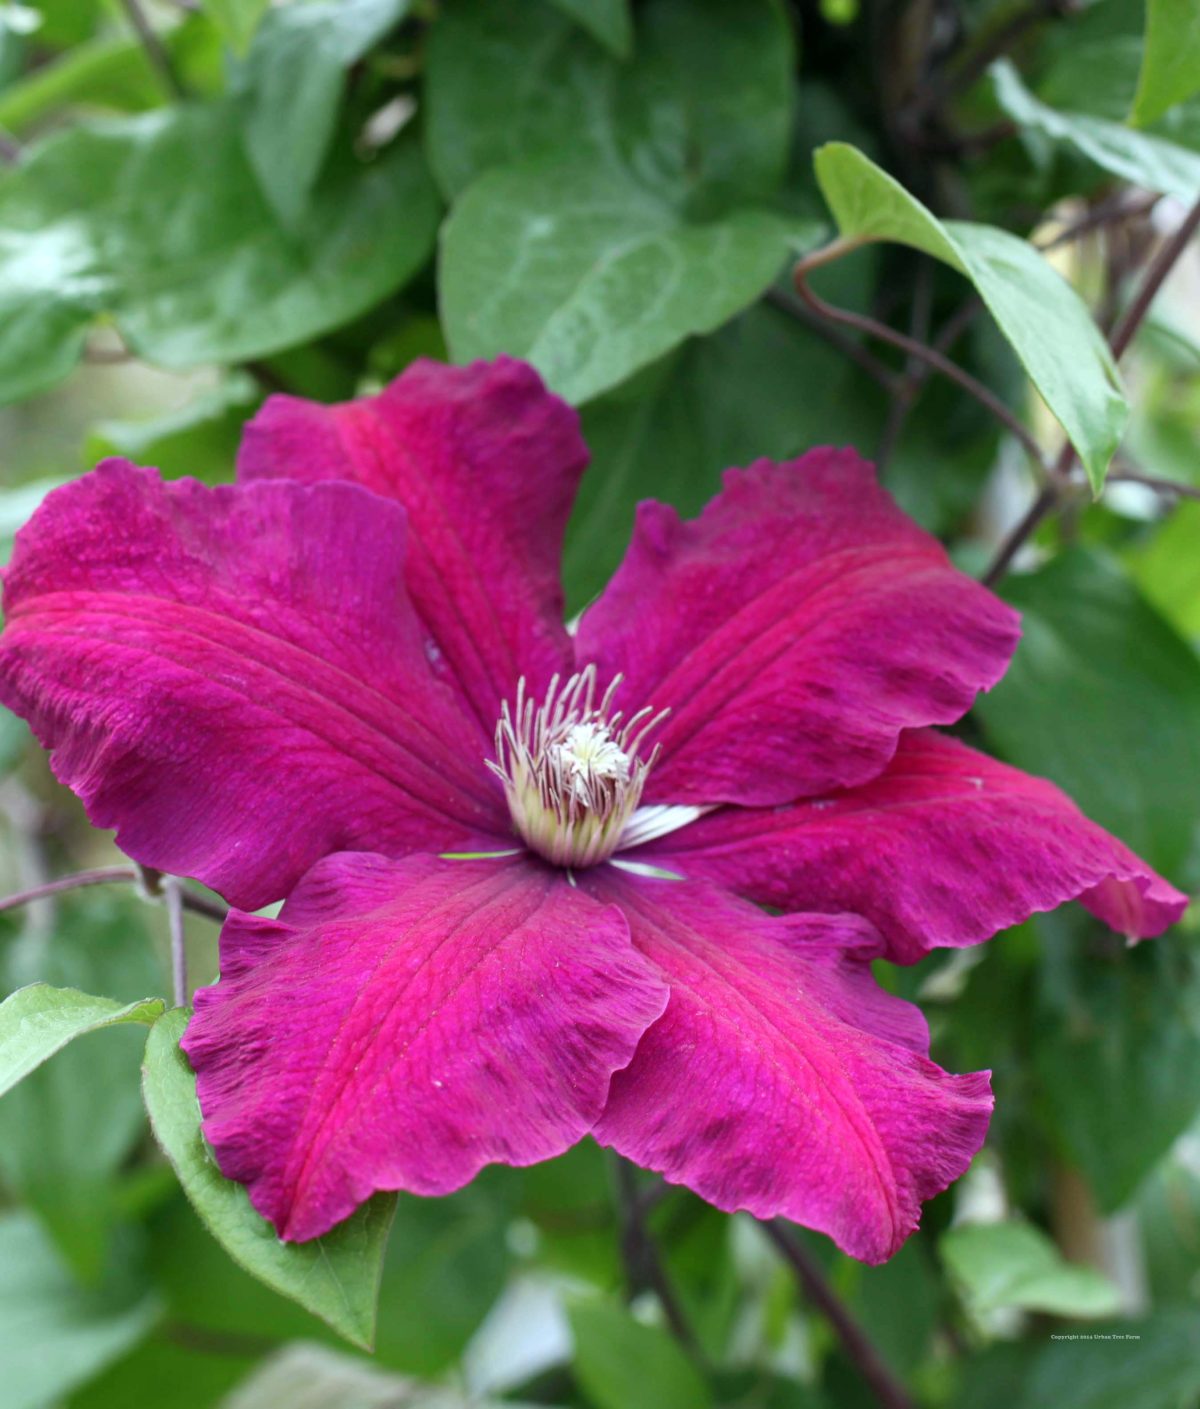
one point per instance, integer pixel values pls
(658, 820)
(570, 768)
(588, 758)
(644, 868)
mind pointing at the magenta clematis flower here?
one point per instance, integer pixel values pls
(521, 866)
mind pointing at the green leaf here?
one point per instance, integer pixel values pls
(1073, 371)
(182, 1376)
(506, 80)
(67, 1128)
(1171, 66)
(1014, 1264)
(37, 1021)
(1167, 569)
(158, 223)
(290, 89)
(618, 213)
(1155, 1366)
(236, 20)
(569, 1201)
(708, 105)
(702, 115)
(53, 1334)
(622, 1364)
(1103, 697)
(607, 21)
(1096, 77)
(898, 1304)
(109, 72)
(1137, 157)
(1117, 1053)
(1168, 1215)
(588, 275)
(335, 1277)
(66, 22)
(450, 1257)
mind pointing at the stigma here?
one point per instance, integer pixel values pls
(571, 768)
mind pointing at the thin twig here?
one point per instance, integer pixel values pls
(859, 321)
(972, 66)
(173, 895)
(643, 1266)
(154, 48)
(857, 354)
(1058, 481)
(207, 1342)
(858, 1346)
(110, 875)
(102, 875)
(1162, 264)
(1111, 212)
(1044, 504)
(903, 403)
(914, 369)
(198, 905)
(1155, 482)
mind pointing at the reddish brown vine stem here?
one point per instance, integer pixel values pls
(155, 50)
(912, 346)
(109, 875)
(1056, 478)
(1155, 482)
(1133, 317)
(643, 1265)
(1059, 481)
(170, 889)
(1042, 506)
(1115, 211)
(858, 1346)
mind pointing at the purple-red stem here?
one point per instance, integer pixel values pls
(1122, 335)
(859, 1347)
(915, 349)
(109, 875)
(643, 1264)
(155, 50)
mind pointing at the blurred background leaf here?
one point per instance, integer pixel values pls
(1013, 1264)
(53, 1335)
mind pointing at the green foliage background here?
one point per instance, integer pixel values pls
(305, 197)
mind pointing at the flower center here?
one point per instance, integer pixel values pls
(570, 768)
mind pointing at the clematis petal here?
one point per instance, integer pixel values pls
(945, 847)
(780, 1079)
(404, 1023)
(793, 630)
(486, 462)
(233, 677)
